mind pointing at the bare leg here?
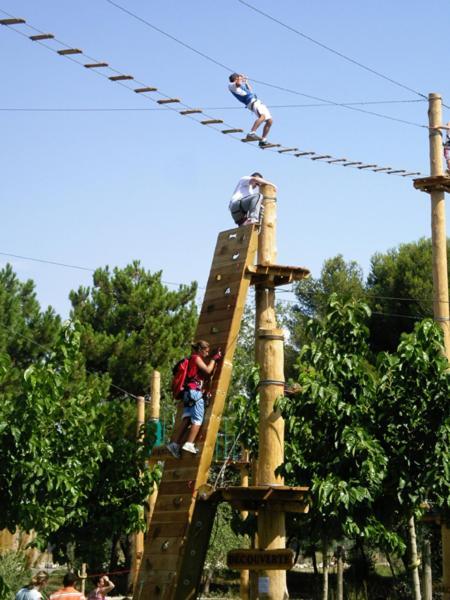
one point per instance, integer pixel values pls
(193, 432)
(267, 126)
(184, 426)
(257, 123)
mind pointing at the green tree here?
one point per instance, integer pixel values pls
(329, 444)
(400, 292)
(413, 427)
(132, 324)
(51, 438)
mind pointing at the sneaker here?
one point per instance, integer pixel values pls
(174, 449)
(252, 136)
(263, 143)
(189, 447)
(250, 222)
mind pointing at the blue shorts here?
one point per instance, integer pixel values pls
(196, 412)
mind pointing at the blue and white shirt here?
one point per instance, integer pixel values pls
(242, 93)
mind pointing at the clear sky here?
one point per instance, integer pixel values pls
(95, 188)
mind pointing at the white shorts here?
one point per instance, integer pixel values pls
(260, 109)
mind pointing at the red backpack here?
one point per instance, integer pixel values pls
(179, 372)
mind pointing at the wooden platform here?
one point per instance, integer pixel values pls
(279, 274)
(438, 183)
(282, 498)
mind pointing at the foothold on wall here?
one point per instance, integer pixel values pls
(218, 277)
(227, 291)
(236, 255)
(232, 236)
(177, 501)
(165, 546)
(214, 330)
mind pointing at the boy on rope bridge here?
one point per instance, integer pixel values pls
(446, 128)
(242, 90)
(245, 204)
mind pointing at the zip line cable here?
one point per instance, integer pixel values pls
(189, 111)
(131, 109)
(329, 49)
(260, 82)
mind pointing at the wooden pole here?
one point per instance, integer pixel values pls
(270, 357)
(153, 415)
(427, 577)
(138, 537)
(440, 274)
(244, 586)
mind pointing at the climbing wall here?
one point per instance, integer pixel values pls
(219, 322)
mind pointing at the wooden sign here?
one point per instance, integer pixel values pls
(266, 560)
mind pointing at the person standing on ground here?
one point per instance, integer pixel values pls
(193, 400)
(242, 91)
(32, 591)
(103, 586)
(68, 591)
(245, 204)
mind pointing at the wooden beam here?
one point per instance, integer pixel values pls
(120, 77)
(190, 111)
(211, 121)
(267, 146)
(397, 171)
(436, 183)
(12, 21)
(287, 150)
(349, 164)
(321, 156)
(304, 153)
(41, 36)
(69, 51)
(366, 166)
(232, 130)
(96, 65)
(168, 100)
(145, 89)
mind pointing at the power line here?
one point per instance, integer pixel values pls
(134, 109)
(329, 49)
(265, 83)
(68, 52)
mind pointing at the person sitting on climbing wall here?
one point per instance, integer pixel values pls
(242, 91)
(193, 398)
(245, 204)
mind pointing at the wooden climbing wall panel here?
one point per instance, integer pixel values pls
(219, 323)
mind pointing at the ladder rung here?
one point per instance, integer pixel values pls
(11, 21)
(145, 89)
(168, 100)
(287, 150)
(190, 111)
(120, 77)
(232, 130)
(41, 36)
(211, 121)
(96, 65)
(70, 51)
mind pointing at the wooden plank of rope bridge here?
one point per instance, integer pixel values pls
(181, 479)
(349, 164)
(168, 100)
(12, 21)
(336, 160)
(304, 154)
(145, 89)
(366, 166)
(96, 65)
(232, 130)
(41, 36)
(321, 156)
(267, 146)
(287, 150)
(69, 51)
(382, 169)
(411, 174)
(395, 172)
(190, 111)
(211, 121)
(120, 77)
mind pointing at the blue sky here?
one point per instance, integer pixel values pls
(95, 188)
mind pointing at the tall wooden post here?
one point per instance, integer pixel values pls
(244, 587)
(440, 273)
(270, 357)
(138, 537)
(153, 415)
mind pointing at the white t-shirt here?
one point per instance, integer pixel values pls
(243, 188)
(28, 594)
